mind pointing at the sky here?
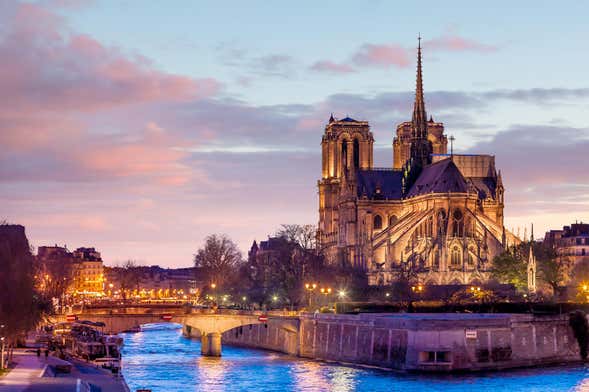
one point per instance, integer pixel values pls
(141, 127)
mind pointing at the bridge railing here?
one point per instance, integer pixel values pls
(276, 313)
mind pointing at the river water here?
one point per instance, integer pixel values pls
(161, 359)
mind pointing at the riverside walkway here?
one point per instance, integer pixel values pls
(28, 376)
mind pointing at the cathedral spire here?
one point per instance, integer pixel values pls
(419, 119)
(421, 148)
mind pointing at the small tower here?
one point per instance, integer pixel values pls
(532, 265)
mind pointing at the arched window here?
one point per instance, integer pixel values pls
(457, 223)
(470, 259)
(393, 220)
(455, 262)
(356, 154)
(344, 154)
(377, 223)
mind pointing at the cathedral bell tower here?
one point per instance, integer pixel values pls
(346, 146)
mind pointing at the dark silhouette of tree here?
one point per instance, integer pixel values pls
(303, 235)
(128, 276)
(21, 308)
(218, 259)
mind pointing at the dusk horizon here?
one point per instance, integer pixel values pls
(140, 139)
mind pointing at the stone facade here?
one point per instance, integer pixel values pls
(571, 245)
(437, 214)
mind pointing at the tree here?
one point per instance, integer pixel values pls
(550, 270)
(56, 277)
(21, 308)
(128, 275)
(218, 259)
(511, 269)
(303, 235)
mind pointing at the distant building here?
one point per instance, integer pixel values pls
(156, 282)
(82, 268)
(571, 243)
(88, 271)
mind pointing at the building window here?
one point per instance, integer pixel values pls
(392, 220)
(455, 262)
(457, 224)
(344, 154)
(470, 259)
(377, 224)
(356, 154)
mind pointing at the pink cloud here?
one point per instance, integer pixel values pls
(331, 67)
(382, 56)
(455, 43)
(46, 67)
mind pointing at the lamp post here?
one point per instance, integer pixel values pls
(2, 354)
(310, 287)
(326, 291)
(2, 349)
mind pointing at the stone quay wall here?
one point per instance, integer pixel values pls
(423, 342)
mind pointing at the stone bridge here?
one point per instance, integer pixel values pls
(206, 324)
(210, 326)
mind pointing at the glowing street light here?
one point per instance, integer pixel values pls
(341, 294)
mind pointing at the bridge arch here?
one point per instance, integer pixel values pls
(210, 327)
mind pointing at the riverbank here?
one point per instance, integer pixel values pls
(420, 342)
(36, 374)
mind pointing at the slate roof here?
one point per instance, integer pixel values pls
(439, 177)
(485, 186)
(348, 119)
(388, 182)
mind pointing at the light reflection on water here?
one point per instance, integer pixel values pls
(161, 359)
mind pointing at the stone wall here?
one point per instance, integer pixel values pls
(263, 336)
(427, 342)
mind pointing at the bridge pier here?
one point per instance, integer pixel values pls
(210, 344)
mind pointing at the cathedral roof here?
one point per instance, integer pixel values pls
(440, 177)
(347, 119)
(379, 184)
(485, 186)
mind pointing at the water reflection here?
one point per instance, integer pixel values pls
(163, 360)
(211, 372)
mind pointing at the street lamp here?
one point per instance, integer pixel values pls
(310, 287)
(341, 294)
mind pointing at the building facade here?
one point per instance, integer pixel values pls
(435, 215)
(571, 245)
(88, 272)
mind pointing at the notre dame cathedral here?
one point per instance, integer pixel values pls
(438, 214)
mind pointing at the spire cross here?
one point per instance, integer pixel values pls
(452, 138)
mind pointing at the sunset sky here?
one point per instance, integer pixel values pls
(140, 127)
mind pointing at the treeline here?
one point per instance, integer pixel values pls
(274, 275)
(553, 272)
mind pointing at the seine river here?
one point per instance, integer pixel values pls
(161, 359)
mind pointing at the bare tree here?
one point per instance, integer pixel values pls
(218, 259)
(128, 275)
(303, 235)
